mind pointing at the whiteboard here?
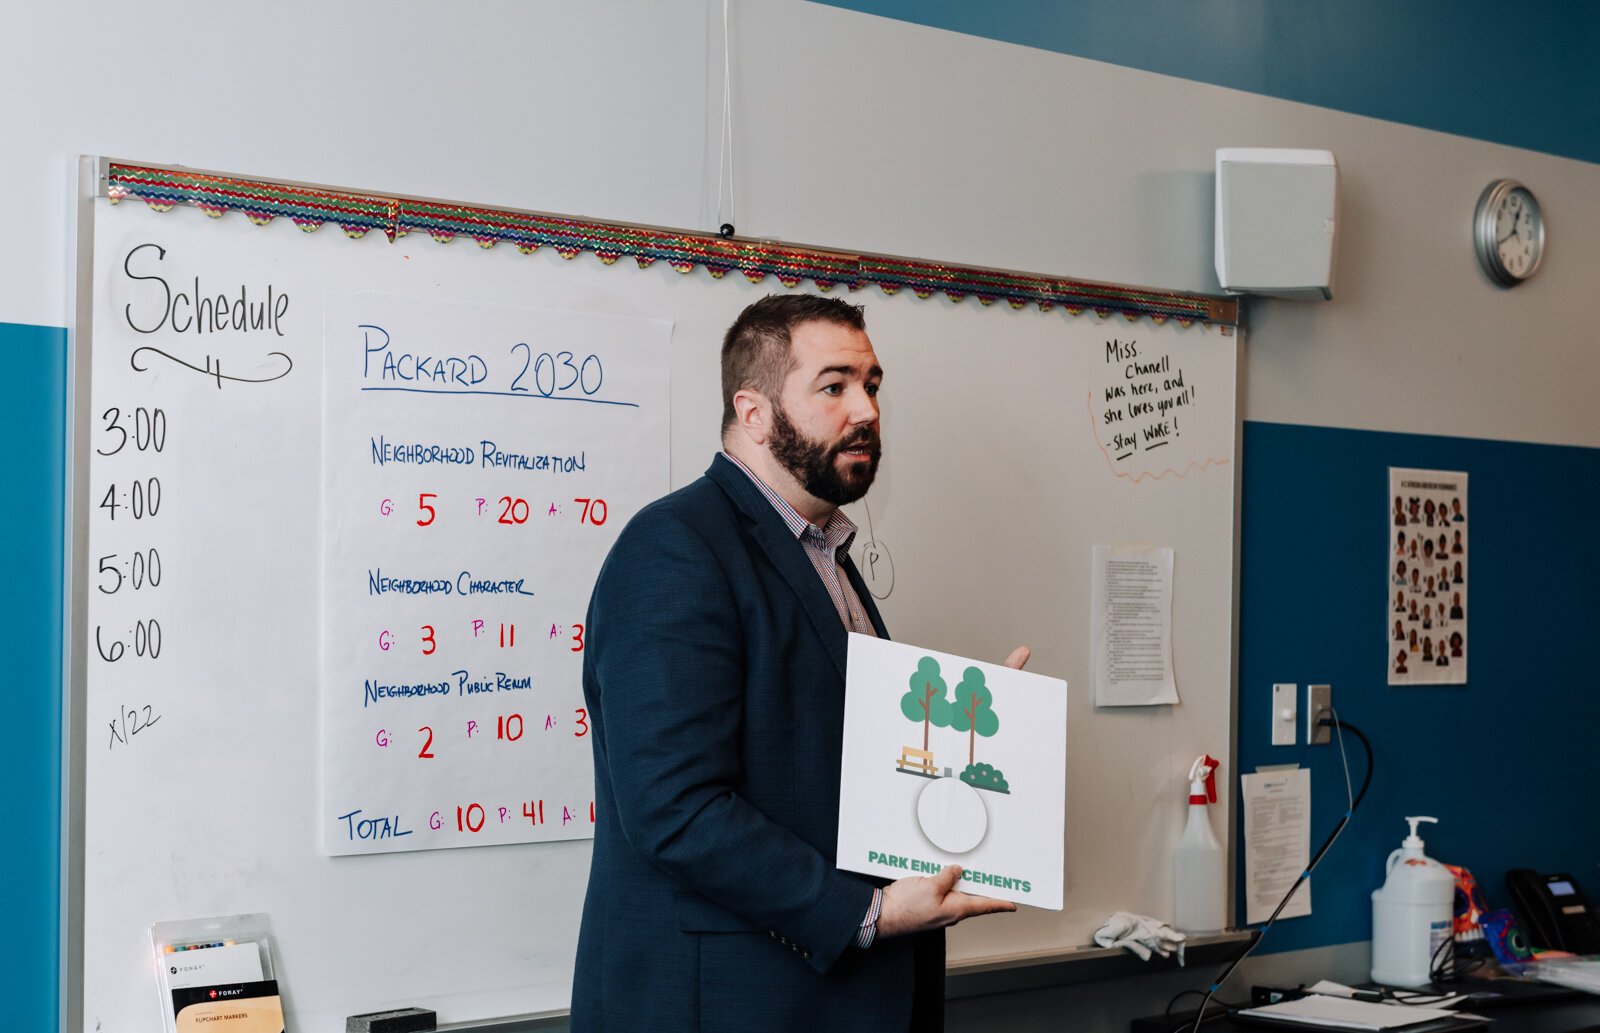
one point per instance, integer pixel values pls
(999, 477)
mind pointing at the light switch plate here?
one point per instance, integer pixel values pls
(1285, 703)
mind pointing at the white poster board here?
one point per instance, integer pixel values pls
(953, 761)
(472, 456)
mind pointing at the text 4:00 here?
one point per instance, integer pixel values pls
(142, 499)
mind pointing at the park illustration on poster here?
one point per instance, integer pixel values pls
(953, 761)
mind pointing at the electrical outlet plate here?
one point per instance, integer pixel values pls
(1319, 704)
(1285, 708)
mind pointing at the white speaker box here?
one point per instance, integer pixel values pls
(1276, 221)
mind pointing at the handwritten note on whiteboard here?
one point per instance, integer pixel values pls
(478, 462)
(1157, 411)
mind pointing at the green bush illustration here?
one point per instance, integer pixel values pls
(986, 776)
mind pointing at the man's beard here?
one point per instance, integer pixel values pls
(814, 463)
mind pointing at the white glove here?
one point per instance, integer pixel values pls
(1141, 934)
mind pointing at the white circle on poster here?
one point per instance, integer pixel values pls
(952, 815)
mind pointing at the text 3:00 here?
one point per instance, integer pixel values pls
(149, 430)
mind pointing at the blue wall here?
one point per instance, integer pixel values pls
(33, 395)
(1489, 759)
(1519, 74)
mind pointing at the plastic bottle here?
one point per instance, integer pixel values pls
(1411, 914)
(1198, 861)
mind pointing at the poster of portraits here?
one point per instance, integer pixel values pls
(1427, 565)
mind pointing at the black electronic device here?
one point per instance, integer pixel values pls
(1555, 913)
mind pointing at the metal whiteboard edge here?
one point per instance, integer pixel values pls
(1037, 969)
(1026, 971)
(512, 1023)
(75, 545)
(1232, 818)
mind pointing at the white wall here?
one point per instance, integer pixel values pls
(851, 131)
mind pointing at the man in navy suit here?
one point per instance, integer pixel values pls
(714, 677)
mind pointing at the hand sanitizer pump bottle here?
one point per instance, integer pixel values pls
(1411, 914)
(1201, 894)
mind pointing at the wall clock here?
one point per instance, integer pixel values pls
(1508, 232)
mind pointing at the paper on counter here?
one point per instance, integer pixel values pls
(1277, 841)
(1342, 1013)
(1130, 626)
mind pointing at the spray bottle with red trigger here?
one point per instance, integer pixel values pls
(1198, 861)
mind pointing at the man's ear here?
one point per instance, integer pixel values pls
(752, 415)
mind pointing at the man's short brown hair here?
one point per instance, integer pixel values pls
(756, 349)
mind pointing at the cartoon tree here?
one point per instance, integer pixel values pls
(926, 700)
(973, 710)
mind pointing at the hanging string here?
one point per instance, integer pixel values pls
(725, 146)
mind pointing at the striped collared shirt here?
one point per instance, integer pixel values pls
(826, 547)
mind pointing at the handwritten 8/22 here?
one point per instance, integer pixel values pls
(545, 374)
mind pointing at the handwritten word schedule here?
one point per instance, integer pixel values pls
(478, 462)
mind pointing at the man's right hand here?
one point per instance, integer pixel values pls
(919, 903)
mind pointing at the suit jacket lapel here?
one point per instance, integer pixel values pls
(787, 555)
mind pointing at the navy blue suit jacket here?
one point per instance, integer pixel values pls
(714, 677)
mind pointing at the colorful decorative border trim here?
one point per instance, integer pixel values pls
(357, 214)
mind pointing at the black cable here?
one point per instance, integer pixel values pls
(1181, 994)
(1439, 969)
(1366, 782)
(1436, 964)
(1455, 967)
(1223, 1010)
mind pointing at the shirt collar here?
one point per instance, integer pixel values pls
(839, 532)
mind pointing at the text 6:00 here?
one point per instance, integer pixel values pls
(146, 642)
